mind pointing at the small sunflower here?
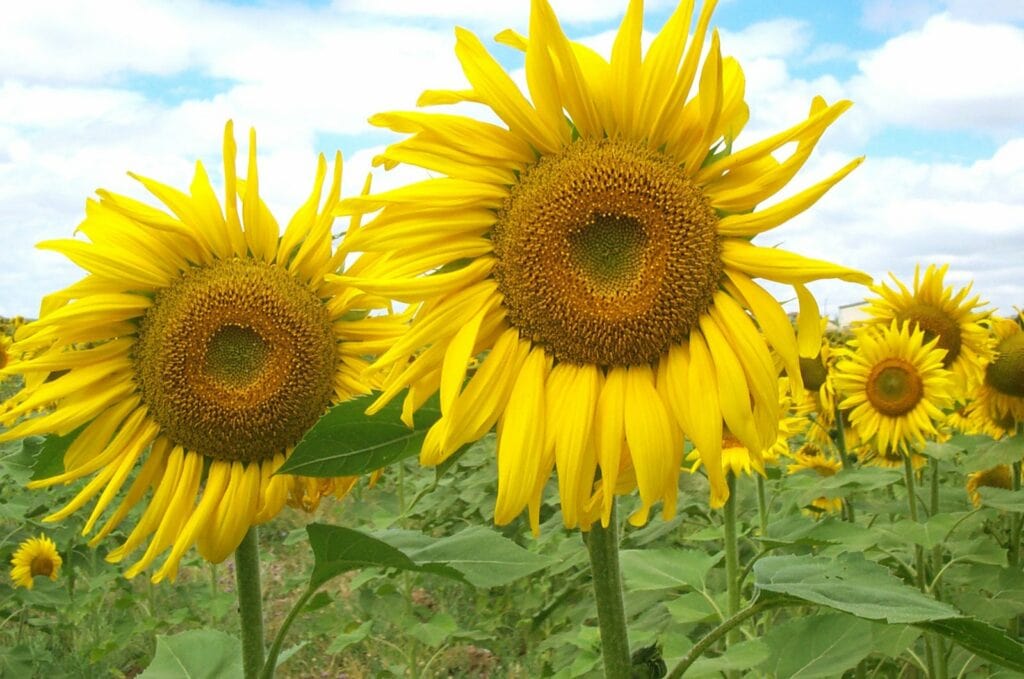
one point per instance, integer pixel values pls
(596, 243)
(895, 386)
(1000, 398)
(35, 556)
(5, 351)
(737, 458)
(200, 348)
(943, 313)
(999, 476)
(811, 458)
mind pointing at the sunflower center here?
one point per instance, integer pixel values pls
(235, 361)
(41, 565)
(1006, 373)
(894, 387)
(236, 355)
(934, 323)
(607, 253)
(813, 372)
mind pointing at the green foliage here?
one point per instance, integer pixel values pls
(196, 654)
(345, 442)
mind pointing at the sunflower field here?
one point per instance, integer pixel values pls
(541, 414)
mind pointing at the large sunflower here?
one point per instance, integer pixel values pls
(596, 244)
(35, 556)
(195, 354)
(999, 399)
(895, 386)
(948, 315)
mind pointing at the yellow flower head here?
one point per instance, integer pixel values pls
(943, 313)
(895, 385)
(811, 457)
(35, 556)
(596, 244)
(1000, 398)
(999, 476)
(5, 351)
(196, 353)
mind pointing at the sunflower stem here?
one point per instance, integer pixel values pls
(275, 647)
(920, 575)
(941, 665)
(732, 564)
(250, 602)
(762, 506)
(1016, 522)
(840, 440)
(729, 624)
(603, 547)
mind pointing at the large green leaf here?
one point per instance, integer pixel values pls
(196, 654)
(1001, 498)
(347, 442)
(337, 550)
(651, 569)
(994, 453)
(476, 555)
(740, 657)
(850, 584)
(818, 646)
(484, 557)
(982, 639)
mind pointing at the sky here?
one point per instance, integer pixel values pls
(89, 91)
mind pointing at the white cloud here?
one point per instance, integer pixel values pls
(949, 74)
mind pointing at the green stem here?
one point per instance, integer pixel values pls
(840, 441)
(1016, 522)
(250, 602)
(941, 665)
(603, 547)
(723, 629)
(762, 506)
(275, 648)
(921, 576)
(732, 564)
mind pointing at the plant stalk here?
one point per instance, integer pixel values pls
(922, 579)
(250, 602)
(603, 548)
(762, 506)
(723, 629)
(840, 441)
(732, 564)
(275, 648)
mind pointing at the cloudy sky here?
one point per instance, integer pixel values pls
(91, 90)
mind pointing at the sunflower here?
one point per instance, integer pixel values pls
(596, 245)
(5, 351)
(896, 387)
(737, 458)
(999, 400)
(35, 556)
(945, 314)
(197, 352)
(1000, 476)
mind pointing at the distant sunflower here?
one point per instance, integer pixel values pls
(210, 345)
(895, 386)
(812, 458)
(5, 351)
(945, 314)
(597, 245)
(35, 556)
(1000, 397)
(1000, 476)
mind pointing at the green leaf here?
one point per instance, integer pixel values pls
(435, 631)
(347, 442)
(941, 451)
(484, 557)
(817, 646)
(995, 453)
(346, 639)
(691, 607)
(851, 584)
(49, 457)
(1001, 498)
(740, 657)
(982, 639)
(196, 654)
(649, 569)
(968, 442)
(337, 550)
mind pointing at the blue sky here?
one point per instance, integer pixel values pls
(83, 99)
